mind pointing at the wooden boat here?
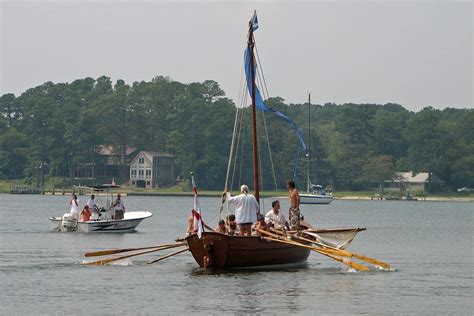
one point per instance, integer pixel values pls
(217, 250)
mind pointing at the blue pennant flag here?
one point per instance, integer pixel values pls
(260, 105)
(254, 21)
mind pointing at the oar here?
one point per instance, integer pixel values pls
(349, 254)
(352, 264)
(114, 251)
(105, 261)
(343, 253)
(167, 256)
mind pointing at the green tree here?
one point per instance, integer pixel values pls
(376, 170)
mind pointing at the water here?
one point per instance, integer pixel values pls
(430, 244)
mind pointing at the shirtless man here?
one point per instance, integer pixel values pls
(294, 211)
(190, 230)
(221, 227)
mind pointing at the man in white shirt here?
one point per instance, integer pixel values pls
(118, 208)
(91, 203)
(246, 209)
(275, 217)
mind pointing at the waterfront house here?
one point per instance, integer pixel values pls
(151, 169)
(108, 162)
(409, 181)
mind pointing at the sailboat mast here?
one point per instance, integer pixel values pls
(251, 44)
(309, 144)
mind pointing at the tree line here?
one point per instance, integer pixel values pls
(352, 146)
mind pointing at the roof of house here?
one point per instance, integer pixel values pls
(149, 155)
(422, 177)
(107, 150)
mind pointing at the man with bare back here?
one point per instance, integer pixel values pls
(294, 212)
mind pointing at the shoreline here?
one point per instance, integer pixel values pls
(276, 195)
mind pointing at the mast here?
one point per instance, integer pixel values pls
(250, 45)
(309, 144)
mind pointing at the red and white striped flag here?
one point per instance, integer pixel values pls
(197, 224)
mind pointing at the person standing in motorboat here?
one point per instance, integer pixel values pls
(93, 208)
(118, 208)
(91, 203)
(246, 209)
(74, 206)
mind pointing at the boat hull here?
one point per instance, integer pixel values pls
(126, 225)
(315, 199)
(216, 250)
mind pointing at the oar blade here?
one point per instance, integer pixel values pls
(372, 261)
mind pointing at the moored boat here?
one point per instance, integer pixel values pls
(315, 198)
(314, 194)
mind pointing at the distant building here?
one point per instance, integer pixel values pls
(150, 169)
(107, 165)
(408, 181)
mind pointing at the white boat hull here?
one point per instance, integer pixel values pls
(308, 198)
(126, 225)
(338, 238)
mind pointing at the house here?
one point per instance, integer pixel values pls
(107, 164)
(410, 181)
(150, 169)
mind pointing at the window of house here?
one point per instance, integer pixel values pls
(148, 173)
(134, 173)
(140, 173)
(141, 160)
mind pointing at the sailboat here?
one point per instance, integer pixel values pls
(315, 193)
(217, 250)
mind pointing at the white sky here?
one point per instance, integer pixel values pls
(415, 53)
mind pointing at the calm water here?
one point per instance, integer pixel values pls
(429, 243)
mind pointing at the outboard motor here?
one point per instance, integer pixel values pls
(68, 223)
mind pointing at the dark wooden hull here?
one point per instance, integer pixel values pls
(216, 250)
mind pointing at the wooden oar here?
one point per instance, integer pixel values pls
(343, 253)
(349, 254)
(105, 261)
(115, 251)
(167, 256)
(350, 263)
(345, 261)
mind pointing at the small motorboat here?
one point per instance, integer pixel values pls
(129, 223)
(101, 220)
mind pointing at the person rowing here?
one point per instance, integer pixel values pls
(275, 216)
